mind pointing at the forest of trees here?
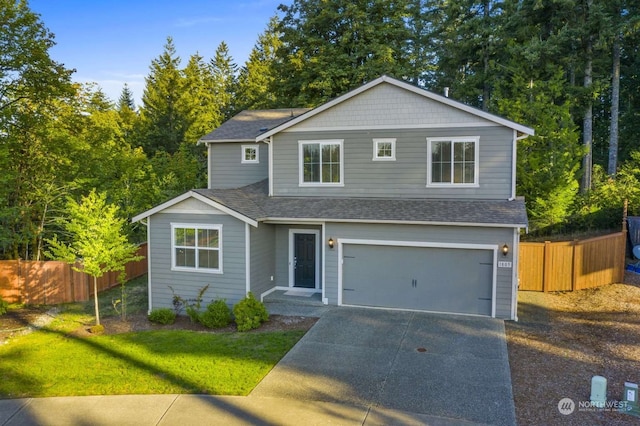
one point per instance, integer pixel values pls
(568, 68)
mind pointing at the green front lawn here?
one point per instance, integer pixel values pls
(51, 363)
(54, 362)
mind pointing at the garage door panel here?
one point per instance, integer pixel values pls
(421, 278)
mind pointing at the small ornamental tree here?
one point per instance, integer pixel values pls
(96, 240)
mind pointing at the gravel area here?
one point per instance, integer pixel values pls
(562, 340)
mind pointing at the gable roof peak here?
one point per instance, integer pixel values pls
(404, 86)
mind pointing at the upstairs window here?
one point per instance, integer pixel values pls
(196, 248)
(453, 161)
(384, 149)
(250, 154)
(321, 162)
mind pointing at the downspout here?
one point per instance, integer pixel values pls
(515, 276)
(269, 143)
(148, 263)
(209, 165)
(514, 156)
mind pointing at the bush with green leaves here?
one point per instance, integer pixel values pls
(217, 314)
(162, 316)
(250, 313)
(4, 307)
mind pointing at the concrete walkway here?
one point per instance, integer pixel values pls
(354, 367)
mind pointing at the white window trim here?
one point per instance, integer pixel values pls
(244, 154)
(377, 141)
(301, 162)
(476, 141)
(217, 227)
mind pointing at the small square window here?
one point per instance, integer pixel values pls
(250, 154)
(384, 149)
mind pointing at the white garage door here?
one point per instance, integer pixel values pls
(418, 278)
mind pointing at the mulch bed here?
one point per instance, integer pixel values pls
(24, 320)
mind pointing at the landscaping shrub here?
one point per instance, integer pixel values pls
(249, 313)
(4, 306)
(96, 329)
(162, 316)
(217, 314)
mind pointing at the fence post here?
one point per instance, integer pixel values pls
(545, 266)
(574, 267)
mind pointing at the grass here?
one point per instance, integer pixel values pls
(53, 362)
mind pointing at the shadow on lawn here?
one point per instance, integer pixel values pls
(188, 386)
(554, 353)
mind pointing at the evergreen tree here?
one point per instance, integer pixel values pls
(163, 122)
(202, 107)
(224, 78)
(125, 101)
(256, 78)
(332, 46)
(470, 48)
(128, 116)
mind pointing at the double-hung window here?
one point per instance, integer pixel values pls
(196, 248)
(453, 161)
(321, 162)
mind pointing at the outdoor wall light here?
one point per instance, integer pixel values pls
(505, 250)
(330, 242)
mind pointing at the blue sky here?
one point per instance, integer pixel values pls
(111, 42)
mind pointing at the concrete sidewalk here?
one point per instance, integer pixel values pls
(143, 410)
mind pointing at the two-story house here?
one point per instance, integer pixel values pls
(389, 196)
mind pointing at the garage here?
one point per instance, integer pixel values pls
(438, 279)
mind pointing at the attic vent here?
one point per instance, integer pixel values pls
(263, 129)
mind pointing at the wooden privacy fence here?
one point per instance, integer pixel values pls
(51, 282)
(572, 265)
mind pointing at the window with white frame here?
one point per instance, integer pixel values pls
(196, 247)
(452, 161)
(384, 149)
(250, 154)
(321, 162)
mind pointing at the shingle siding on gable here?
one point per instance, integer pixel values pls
(226, 169)
(407, 175)
(387, 105)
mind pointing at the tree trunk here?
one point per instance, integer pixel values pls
(615, 108)
(485, 85)
(587, 122)
(95, 299)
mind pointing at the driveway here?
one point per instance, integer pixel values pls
(440, 369)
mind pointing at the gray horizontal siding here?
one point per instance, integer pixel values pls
(262, 258)
(405, 177)
(432, 234)
(230, 285)
(227, 170)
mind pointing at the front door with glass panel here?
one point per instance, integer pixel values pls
(304, 260)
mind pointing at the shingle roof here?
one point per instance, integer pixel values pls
(247, 125)
(253, 202)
